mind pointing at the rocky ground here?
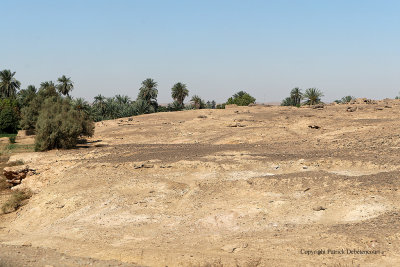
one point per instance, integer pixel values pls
(245, 186)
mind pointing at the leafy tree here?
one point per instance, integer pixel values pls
(313, 96)
(8, 84)
(241, 99)
(65, 85)
(198, 103)
(59, 125)
(30, 112)
(148, 92)
(179, 93)
(9, 116)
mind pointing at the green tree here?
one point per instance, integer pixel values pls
(346, 99)
(81, 105)
(122, 99)
(142, 107)
(179, 93)
(9, 116)
(8, 84)
(313, 96)
(213, 104)
(296, 96)
(59, 125)
(148, 92)
(174, 106)
(48, 89)
(25, 96)
(30, 112)
(65, 85)
(288, 101)
(241, 99)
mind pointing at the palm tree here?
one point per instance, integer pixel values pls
(81, 104)
(296, 95)
(99, 108)
(99, 101)
(287, 102)
(25, 96)
(122, 99)
(179, 93)
(48, 88)
(65, 85)
(148, 93)
(213, 104)
(313, 96)
(346, 99)
(141, 107)
(8, 84)
(198, 103)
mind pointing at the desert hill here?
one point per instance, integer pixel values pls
(246, 186)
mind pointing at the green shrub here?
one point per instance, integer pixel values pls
(241, 99)
(11, 139)
(59, 125)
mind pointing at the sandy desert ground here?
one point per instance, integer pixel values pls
(245, 186)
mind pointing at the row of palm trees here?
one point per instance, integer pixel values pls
(311, 96)
(9, 85)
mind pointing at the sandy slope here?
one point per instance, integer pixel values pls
(243, 186)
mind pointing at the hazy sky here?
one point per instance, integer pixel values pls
(215, 47)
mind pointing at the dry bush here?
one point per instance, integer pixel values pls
(16, 200)
(16, 163)
(3, 184)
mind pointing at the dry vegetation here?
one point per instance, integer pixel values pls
(17, 199)
(245, 186)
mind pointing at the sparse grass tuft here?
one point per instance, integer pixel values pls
(16, 163)
(16, 200)
(19, 147)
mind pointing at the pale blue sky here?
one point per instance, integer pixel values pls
(215, 47)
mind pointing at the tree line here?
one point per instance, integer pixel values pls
(59, 120)
(311, 96)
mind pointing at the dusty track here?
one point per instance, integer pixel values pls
(258, 193)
